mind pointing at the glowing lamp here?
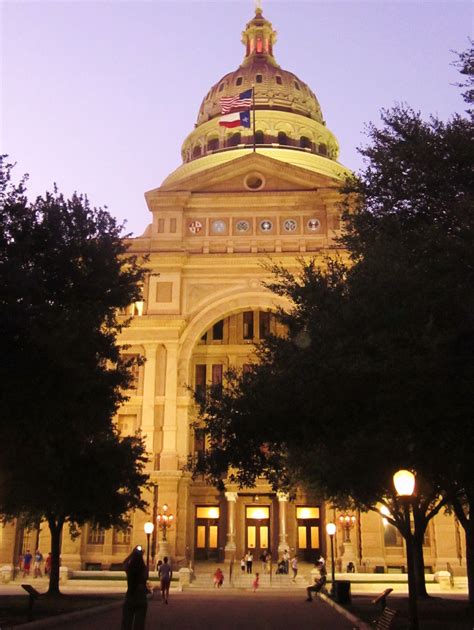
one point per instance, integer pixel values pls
(331, 529)
(148, 527)
(404, 482)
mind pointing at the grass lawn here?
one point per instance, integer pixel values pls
(435, 613)
(14, 608)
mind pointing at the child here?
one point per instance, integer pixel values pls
(243, 564)
(218, 578)
(255, 582)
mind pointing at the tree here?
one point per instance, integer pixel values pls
(64, 273)
(376, 371)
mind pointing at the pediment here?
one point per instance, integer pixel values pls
(240, 174)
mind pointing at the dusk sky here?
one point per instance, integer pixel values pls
(99, 96)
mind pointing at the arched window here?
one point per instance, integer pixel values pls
(196, 151)
(297, 85)
(238, 81)
(282, 138)
(213, 144)
(234, 140)
(305, 142)
(323, 149)
(259, 137)
(258, 78)
(278, 80)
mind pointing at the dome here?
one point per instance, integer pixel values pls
(274, 88)
(286, 117)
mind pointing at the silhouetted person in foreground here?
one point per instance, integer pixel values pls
(135, 605)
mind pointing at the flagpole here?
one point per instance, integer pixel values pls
(253, 107)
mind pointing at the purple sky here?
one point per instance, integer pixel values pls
(99, 96)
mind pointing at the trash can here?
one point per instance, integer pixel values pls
(342, 591)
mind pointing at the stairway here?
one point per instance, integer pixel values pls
(205, 581)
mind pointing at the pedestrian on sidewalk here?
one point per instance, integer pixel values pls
(37, 564)
(286, 561)
(135, 605)
(249, 561)
(243, 564)
(47, 563)
(27, 558)
(294, 567)
(256, 582)
(165, 574)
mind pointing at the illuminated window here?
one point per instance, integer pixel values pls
(259, 513)
(208, 511)
(307, 512)
(259, 45)
(248, 325)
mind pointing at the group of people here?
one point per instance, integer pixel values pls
(283, 567)
(139, 588)
(27, 559)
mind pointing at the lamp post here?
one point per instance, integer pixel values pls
(331, 531)
(165, 520)
(347, 522)
(148, 527)
(404, 482)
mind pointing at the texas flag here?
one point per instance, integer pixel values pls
(236, 110)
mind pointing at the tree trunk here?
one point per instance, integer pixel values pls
(55, 528)
(419, 566)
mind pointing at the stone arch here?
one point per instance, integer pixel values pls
(221, 306)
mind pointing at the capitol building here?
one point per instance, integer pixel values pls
(237, 199)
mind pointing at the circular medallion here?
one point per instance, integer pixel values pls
(254, 181)
(242, 226)
(313, 225)
(289, 225)
(218, 226)
(195, 227)
(266, 225)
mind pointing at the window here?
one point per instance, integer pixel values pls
(278, 80)
(96, 535)
(122, 536)
(218, 331)
(234, 140)
(199, 444)
(196, 151)
(213, 144)
(248, 324)
(259, 45)
(259, 137)
(305, 142)
(217, 374)
(200, 379)
(264, 324)
(392, 537)
(247, 368)
(323, 149)
(258, 78)
(282, 138)
(221, 87)
(239, 81)
(134, 369)
(297, 85)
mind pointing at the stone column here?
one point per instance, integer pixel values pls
(169, 456)
(282, 519)
(230, 546)
(148, 408)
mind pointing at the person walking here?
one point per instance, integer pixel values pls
(47, 563)
(319, 582)
(165, 574)
(218, 579)
(294, 567)
(286, 560)
(243, 564)
(263, 560)
(135, 605)
(27, 558)
(37, 564)
(256, 582)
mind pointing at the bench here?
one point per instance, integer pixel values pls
(384, 622)
(33, 594)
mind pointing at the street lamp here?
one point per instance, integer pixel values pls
(148, 527)
(347, 522)
(331, 531)
(165, 520)
(404, 482)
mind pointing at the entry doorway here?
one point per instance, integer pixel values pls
(309, 533)
(257, 529)
(206, 546)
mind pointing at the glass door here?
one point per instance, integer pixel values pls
(308, 523)
(257, 529)
(207, 533)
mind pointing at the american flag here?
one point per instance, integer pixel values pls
(236, 103)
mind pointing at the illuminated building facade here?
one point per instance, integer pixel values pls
(213, 221)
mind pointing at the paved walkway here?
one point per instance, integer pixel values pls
(232, 611)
